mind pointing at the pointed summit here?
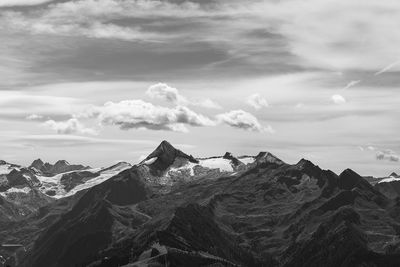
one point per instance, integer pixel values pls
(37, 164)
(305, 164)
(268, 157)
(395, 175)
(164, 156)
(349, 179)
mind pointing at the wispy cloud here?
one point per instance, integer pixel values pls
(35, 117)
(10, 3)
(351, 84)
(388, 67)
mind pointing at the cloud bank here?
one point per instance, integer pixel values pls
(138, 114)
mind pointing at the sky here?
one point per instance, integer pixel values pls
(101, 81)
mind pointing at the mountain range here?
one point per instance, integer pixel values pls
(173, 209)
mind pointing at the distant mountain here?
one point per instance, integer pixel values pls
(176, 210)
(389, 186)
(164, 156)
(26, 189)
(59, 167)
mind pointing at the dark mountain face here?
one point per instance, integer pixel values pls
(93, 223)
(267, 214)
(22, 177)
(390, 189)
(72, 179)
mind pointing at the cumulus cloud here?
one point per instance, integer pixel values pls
(167, 93)
(138, 114)
(387, 154)
(338, 99)
(257, 101)
(242, 120)
(170, 94)
(71, 126)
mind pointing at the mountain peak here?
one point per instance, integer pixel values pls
(349, 179)
(305, 163)
(268, 157)
(165, 155)
(37, 164)
(393, 174)
(62, 162)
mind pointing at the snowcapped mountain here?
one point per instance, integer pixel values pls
(26, 189)
(68, 183)
(43, 182)
(167, 166)
(390, 186)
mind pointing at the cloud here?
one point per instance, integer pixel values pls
(290, 28)
(170, 94)
(351, 84)
(336, 43)
(257, 101)
(71, 126)
(387, 154)
(10, 3)
(338, 99)
(96, 18)
(138, 114)
(34, 117)
(167, 93)
(22, 104)
(242, 120)
(387, 68)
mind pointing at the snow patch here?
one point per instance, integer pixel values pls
(388, 180)
(217, 163)
(150, 161)
(247, 160)
(13, 190)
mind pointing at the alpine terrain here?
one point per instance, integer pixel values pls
(173, 209)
